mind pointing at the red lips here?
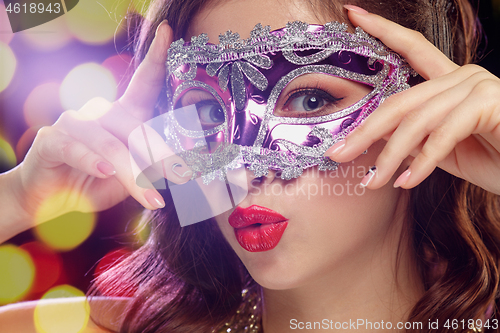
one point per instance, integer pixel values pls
(257, 228)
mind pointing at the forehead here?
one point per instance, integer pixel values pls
(241, 16)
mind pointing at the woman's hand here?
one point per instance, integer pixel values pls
(85, 152)
(451, 121)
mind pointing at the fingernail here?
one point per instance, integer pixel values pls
(154, 199)
(403, 178)
(105, 168)
(355, 9)
(178, 169)
(368, 177)
(335, 149)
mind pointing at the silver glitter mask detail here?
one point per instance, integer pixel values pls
(243, 80)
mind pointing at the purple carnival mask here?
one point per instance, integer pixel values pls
(224, 97)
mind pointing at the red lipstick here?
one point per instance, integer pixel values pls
(257, 228)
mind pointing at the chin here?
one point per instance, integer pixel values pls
(274, 269)
(275, 279)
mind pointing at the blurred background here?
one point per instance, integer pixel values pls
(44, 71)
(59, 66)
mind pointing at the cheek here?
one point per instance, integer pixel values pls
(343, 224)
(333, 222)
(337, 215)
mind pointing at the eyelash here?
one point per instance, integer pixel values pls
(304, 91)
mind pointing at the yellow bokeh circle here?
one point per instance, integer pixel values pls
(96, 22)
(63, 316)
(142, 230)
(70, 220)
(16, 274)
(7, 154)
(140, 6)
(8, 65)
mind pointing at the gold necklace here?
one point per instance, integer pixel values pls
(248, 315)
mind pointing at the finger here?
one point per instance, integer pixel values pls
(384, 121)
(115, 152)
(142, 93)
(57, 148)
(424, 57)
(456, 127)
(145, 144)
(417, 124)
(122, 125)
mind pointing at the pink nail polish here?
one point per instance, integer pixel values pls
(368, 177)
(154, 199)
(355, 9)
(105, 168)
(403, 178)
(335, 149)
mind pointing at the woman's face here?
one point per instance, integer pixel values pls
(334, 226)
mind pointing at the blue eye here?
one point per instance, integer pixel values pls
(210, 113)
(307, 102)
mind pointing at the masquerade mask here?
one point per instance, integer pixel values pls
(229, 105)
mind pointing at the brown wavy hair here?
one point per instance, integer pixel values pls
(190, 280)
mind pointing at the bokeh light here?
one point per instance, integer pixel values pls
(63, 291)
(7, 65)
(140, 6)
(96, 22)
(141, 230)
(43, 107)
(120, 66)
(70, 318)
(67, 231)
(111, 259)
(49, 36)
(16, 274)
(7, 156)
(24, 142)
(6, 31)
(94, 109)
(108, 261)
(48, 266)
(85, 82)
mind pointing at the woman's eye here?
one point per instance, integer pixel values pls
(306, 103)
(210, 114)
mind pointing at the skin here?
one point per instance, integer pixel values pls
(337, 256)
(454, 116)
(450, 121)
(67, 155)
